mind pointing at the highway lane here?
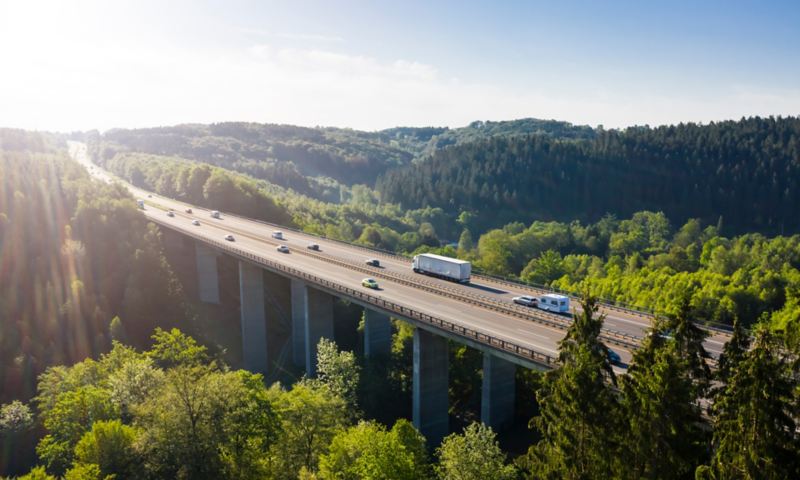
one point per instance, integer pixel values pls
(481, 287)
(521, 332)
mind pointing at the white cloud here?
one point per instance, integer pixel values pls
(64, 75)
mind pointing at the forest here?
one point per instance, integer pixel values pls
(99, 383)
(746, 172)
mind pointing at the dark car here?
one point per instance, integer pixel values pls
(373, 262)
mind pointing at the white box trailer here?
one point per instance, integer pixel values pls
(553, 302)
(442, 267)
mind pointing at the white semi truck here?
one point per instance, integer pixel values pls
(442, 267)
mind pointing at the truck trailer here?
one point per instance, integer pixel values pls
(442, 267)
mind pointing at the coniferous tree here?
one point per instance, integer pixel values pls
(662, 436)
(755, 429)
(578, 407)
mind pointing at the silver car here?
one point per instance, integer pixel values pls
(526, 300)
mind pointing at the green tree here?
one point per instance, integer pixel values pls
(37, 473)
(117, 330)
(72, 415)
(578, 409)
(367, 450)
(547, 267)
(15, 417)
(310, 417)
(86, 471)
(339, 371)
(204, 423)
(473, 455)
(110, 446)
(755, 429)
(662, 435)
(174, 348)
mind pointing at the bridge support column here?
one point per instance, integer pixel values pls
(319, 324)
(207, 276)
(377, 334)
(312, 319)
(254, 321)
(298, 294)
(430, 386)
(498, 392)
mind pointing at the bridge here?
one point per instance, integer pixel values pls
(479, 314)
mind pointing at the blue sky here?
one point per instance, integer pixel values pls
(372, 65)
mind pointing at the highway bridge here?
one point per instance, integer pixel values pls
(480, 314)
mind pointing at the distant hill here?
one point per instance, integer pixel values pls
(312, 160)
(747, 172)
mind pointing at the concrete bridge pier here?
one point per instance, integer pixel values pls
(497, 392)
(312, 319)
(207, 276)
(298, 302)
(254, 321)
(377, 334)
(430, 386)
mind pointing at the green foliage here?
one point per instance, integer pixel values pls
(75, 253)
(745, 171)
(310, 417)
(755, 416)
(86, 471)
(174, 348)
(662, 434)
(473, 455)
(15, 417)
(116, 330)
(109, 445)
(339, 372)
(37, 473)
(579, 410)
(367, 450)
(72, 415)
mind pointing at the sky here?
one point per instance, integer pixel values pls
(81, 65)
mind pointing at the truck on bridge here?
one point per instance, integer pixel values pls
(442, 267)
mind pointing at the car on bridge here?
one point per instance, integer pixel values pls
(369, 283)
(196, 223)
(170, 213)
(613, 357)
(526, 300)
(277, 234)
(283, 249)
(188, 210)
(230, 238)
(313, 246)
(215, 214)
(374, 262)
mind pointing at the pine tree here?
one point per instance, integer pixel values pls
(755, 429)
(578, 407)
(663, 437)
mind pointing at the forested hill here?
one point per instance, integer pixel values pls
(309, 160)
(747, 172)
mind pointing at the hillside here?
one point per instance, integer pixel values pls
(312, 161)
(746, 172)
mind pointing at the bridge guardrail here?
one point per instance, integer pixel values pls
(621, 339)
(402, 310)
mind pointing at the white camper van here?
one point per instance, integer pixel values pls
(553, 302)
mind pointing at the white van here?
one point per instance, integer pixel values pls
(277, 234)
(553, 302)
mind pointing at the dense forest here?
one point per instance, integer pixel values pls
(747, 172)
(318, 162)
(96, 378)
(173, 411)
